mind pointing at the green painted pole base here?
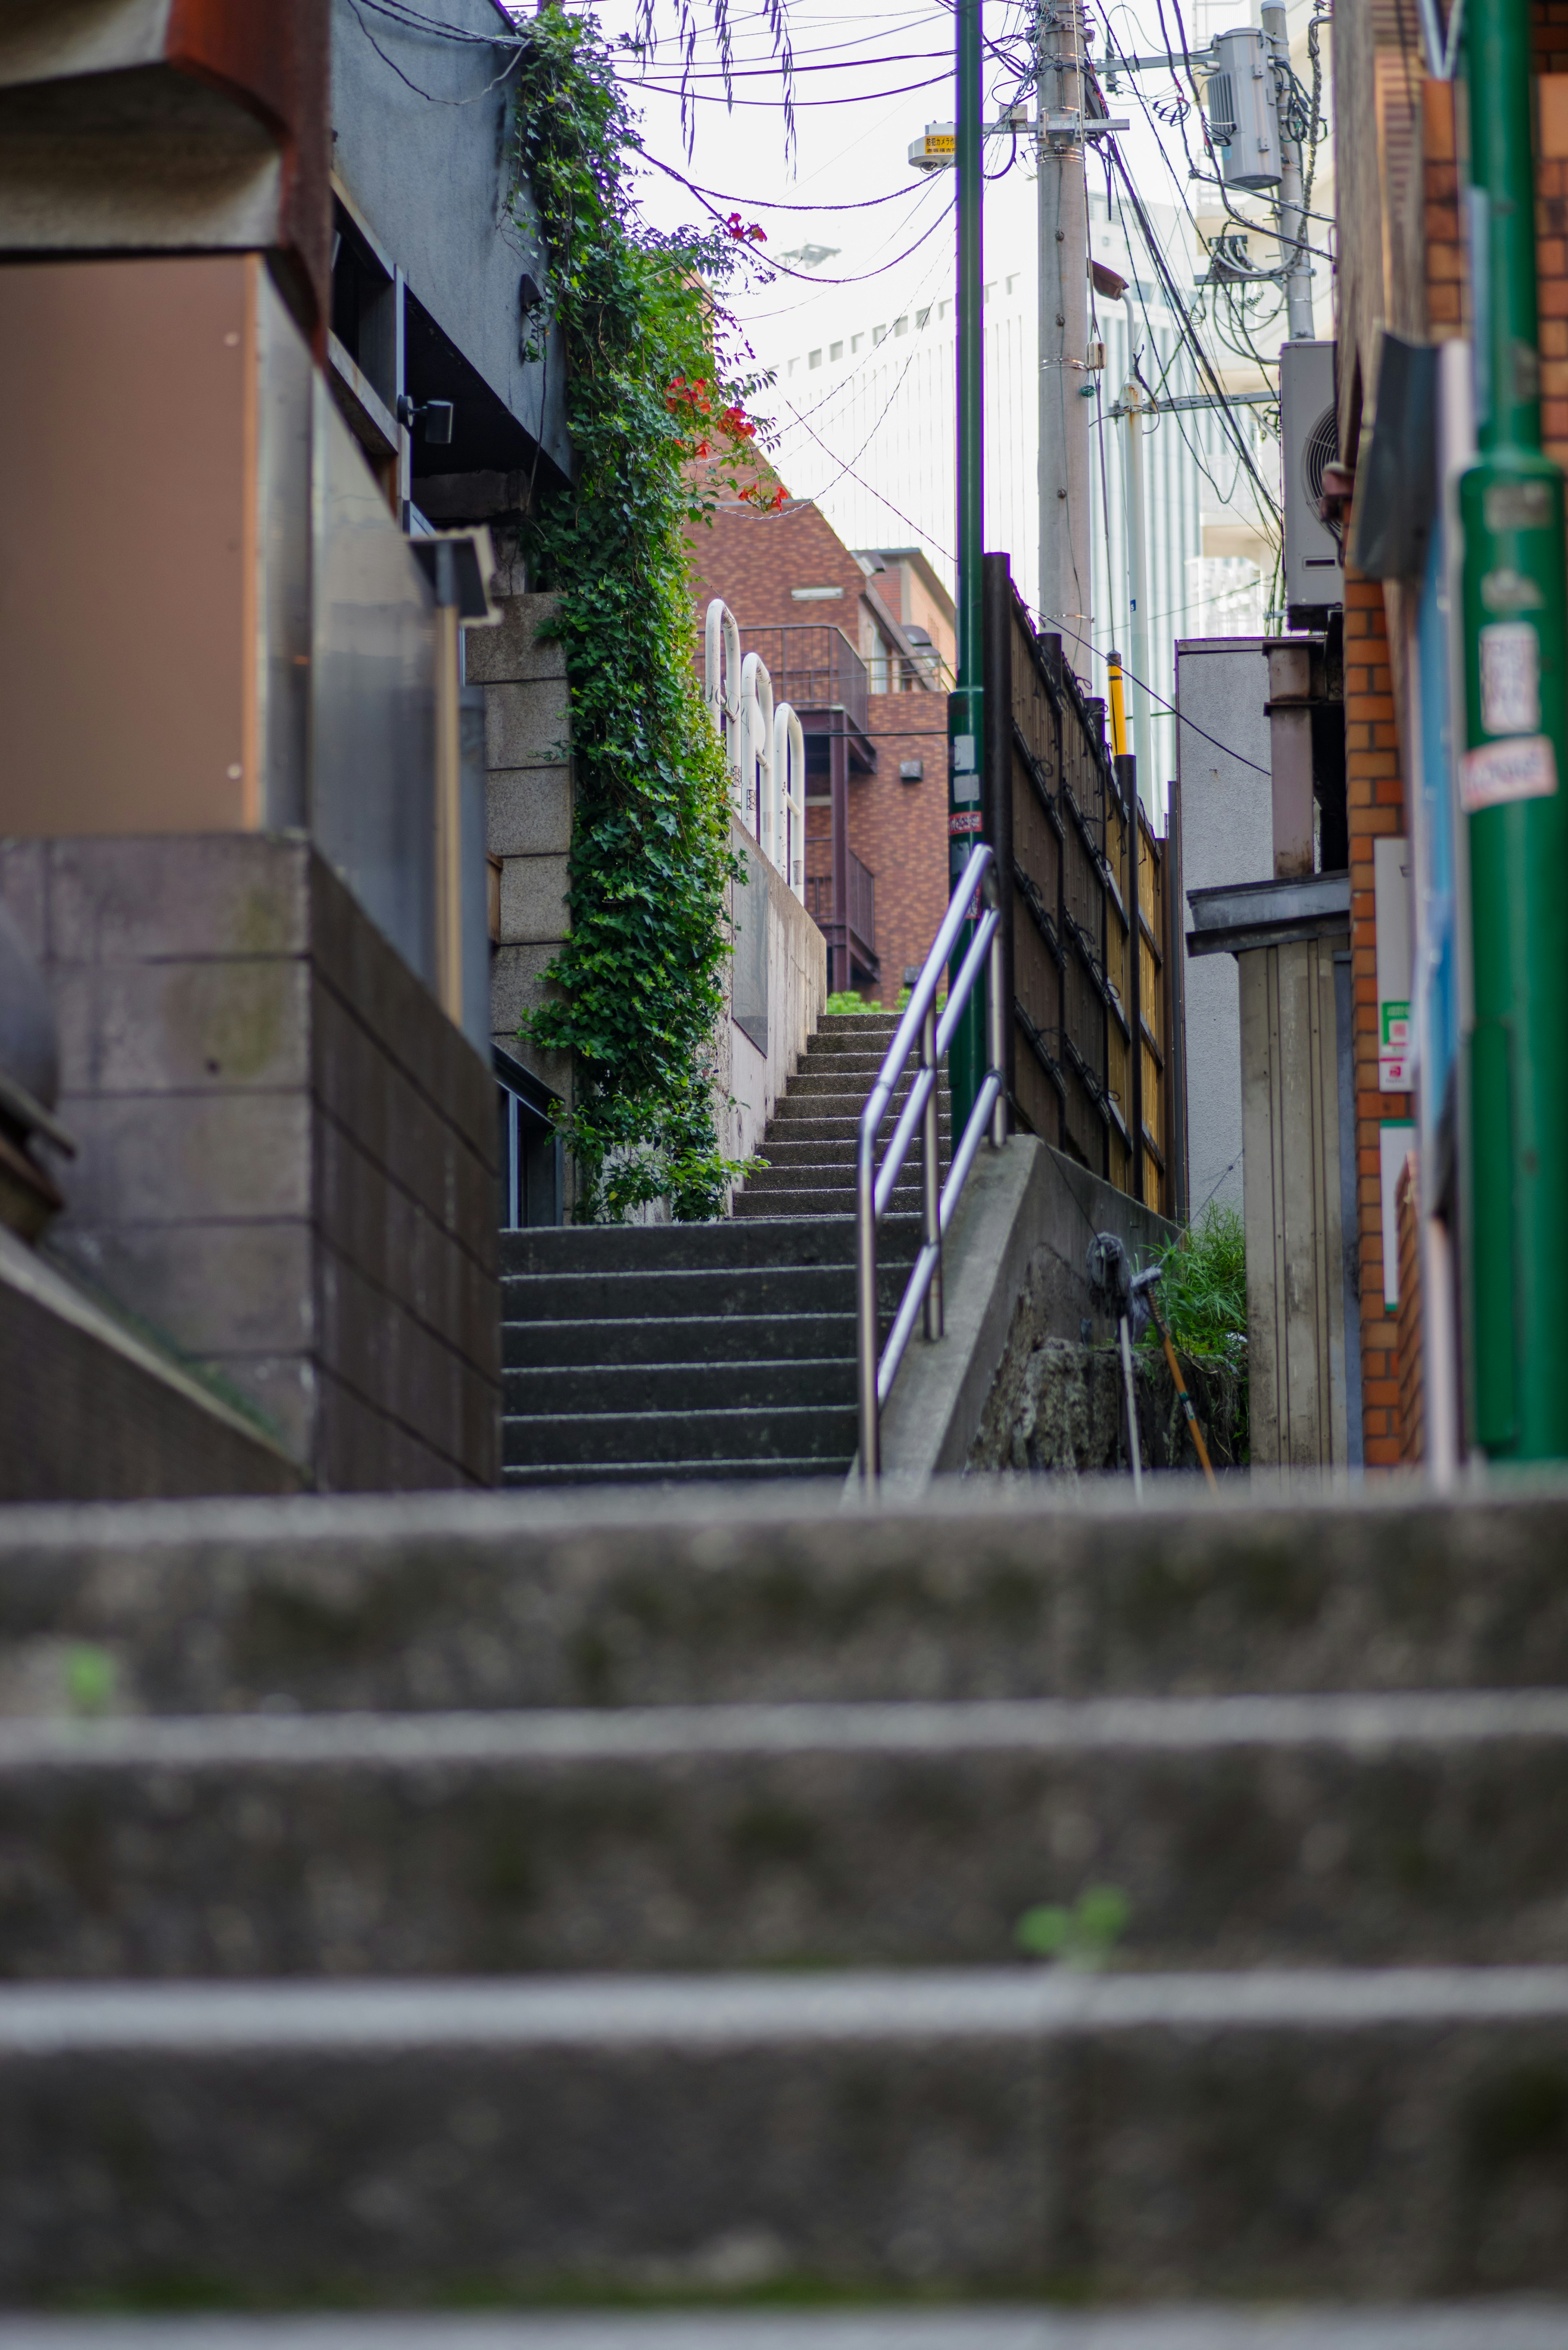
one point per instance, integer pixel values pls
(1514, 787)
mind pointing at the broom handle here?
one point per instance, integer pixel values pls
(1186, 1398)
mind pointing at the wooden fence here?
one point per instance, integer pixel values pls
(1085, 921)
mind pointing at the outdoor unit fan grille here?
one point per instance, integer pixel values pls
(1320, 448)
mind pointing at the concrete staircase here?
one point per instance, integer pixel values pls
(665, 1353)
(429, 1902)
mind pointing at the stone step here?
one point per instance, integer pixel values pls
(673, 1248)
(708, 1292)
(835, 1102)
(724, 1338)
(1367, 1831)
(779, 1432)
(977, 1590)
(1428, 2326)
(835, 1075)
(696, 1385)
(800, 1196)
(829, 1471)
(1346, 2135)
(793, 1150)
(807, 1128)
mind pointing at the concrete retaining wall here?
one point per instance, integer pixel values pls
(288, 1152)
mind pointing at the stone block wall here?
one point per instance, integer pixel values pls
(527, 739)
(288, 1152)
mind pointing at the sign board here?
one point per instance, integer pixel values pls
(1391, 885)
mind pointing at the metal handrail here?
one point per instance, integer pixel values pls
(874, 1185)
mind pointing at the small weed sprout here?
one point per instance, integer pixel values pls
(1084, 1937)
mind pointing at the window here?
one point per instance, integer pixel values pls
(835, 351)
(856, 342)
(989, 291)
(814, 360)
(790, 367)
(922, 317)
(942, 309)
(1012, 282)
(900, 325)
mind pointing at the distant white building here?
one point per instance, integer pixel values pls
(866, 401)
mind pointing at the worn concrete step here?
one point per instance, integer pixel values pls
(976, 1590)
(798, 1132)
(824, 1149)
(663, 1338)
(1348, 2135)
(777, 1432)
(834, 1024)
(831, 1077)
(1238, 1832)
(829, 1471)
(693, 1386)
(673, 1248)
(1534, 2325)
(835, 1103)
(801, 1198)
(628, 1296)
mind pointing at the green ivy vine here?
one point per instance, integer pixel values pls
(639, 983)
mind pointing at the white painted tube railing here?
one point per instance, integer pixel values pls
(721, 680)
(874, 1184)
(785, 838)
(764, 746)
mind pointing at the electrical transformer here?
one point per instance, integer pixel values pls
(1243, 117)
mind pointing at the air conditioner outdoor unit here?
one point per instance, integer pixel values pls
(1314, 575)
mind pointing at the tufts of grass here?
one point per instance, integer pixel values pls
(1203, 1292)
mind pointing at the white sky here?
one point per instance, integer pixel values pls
(852, 130)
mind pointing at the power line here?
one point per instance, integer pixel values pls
(781, 269)
(1056, 622)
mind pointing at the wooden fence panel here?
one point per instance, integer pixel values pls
(1087, 896)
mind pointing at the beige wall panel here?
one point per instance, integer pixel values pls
(123, 535)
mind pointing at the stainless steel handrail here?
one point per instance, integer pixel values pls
(874, 1185)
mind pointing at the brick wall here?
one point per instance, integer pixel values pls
(288, 1152)
(1376, 793)
(899, 830)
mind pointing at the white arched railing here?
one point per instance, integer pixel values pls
(764, 746)
(721, 680)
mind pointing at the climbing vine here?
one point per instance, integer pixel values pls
(639, 983)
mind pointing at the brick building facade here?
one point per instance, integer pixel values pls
(792, 571)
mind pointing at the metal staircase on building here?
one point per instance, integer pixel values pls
(678, 1351)
(439, 1902)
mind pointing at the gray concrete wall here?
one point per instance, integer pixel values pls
(96, 1413)
(527, 756)
(288, 1152)
(796, 964)
(1013, 1269)
(1227, 835)
(429, 166)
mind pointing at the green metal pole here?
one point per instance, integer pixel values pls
(966, 714)
(1514, 787)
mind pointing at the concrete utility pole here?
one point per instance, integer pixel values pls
(1138, 586)
(1294, 259)
(1065, 571)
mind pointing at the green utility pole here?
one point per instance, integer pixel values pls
(1514, 789)
(966, 715)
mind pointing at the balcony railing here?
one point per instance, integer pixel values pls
(862, 895)
(812, 668)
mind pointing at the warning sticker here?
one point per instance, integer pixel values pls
(1510, 678)
(1502, 771)
(964, 821)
